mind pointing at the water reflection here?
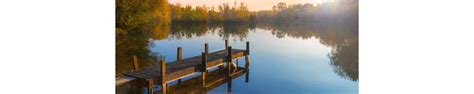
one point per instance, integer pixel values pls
(214, 79)
(342, 38)
(224, 30)
(128, 44)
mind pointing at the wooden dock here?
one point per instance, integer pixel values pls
(164, 73)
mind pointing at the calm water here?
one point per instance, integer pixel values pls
(285, 58)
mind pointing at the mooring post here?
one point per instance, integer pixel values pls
(164, 85)
(229, 72)
(150, 86)
(178, 58)
(179, 55)
(247, 48)
(203, 68)
(206, 48)
(135, 63)
(226, 43)
(229, 55)
(247, 61)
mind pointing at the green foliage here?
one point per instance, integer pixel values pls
(137, 21)
(224, 13)
(140, 15)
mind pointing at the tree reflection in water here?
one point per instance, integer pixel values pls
(341, 37)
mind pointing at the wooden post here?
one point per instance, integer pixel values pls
(178, 58)
(203, 68)
(226, 43)
(247, 46)
(229, 54)
(247, 68)
(229, 61)
(179, 55)
(150, 86)
(137, 86)
(206, 48)
(135, 63)
(141, 83)
(221, 68)
(163, 77)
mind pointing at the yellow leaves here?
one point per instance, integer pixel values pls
(161, 31)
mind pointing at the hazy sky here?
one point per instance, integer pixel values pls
(253, 5)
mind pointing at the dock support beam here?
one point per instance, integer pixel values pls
(150, 86)
(226, 43)
(179, 55)
(135, 63)
(206, 48)
(247, 48)
(203, 68)
(229, 72)
(247, 61)
(178, 58)
(164, 85)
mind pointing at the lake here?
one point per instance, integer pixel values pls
(285, 58)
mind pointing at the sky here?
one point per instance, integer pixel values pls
(253, 5)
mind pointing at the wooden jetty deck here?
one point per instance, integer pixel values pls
(181, 68)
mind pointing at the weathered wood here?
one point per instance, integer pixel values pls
(122, 80)
(176, 70)
(226, 42)
(178, 58)
(179, 69)
(203, 67)
(229, 54)
(186, 66)
(206, 48)
(163, 76)
(247, 48)
(135, 63)
(141, 86)
(179, 55)
(150, 86)
(229, 72)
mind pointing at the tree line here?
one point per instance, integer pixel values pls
(223, 13)
(144, 15)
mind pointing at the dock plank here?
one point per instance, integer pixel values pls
(184, 67)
